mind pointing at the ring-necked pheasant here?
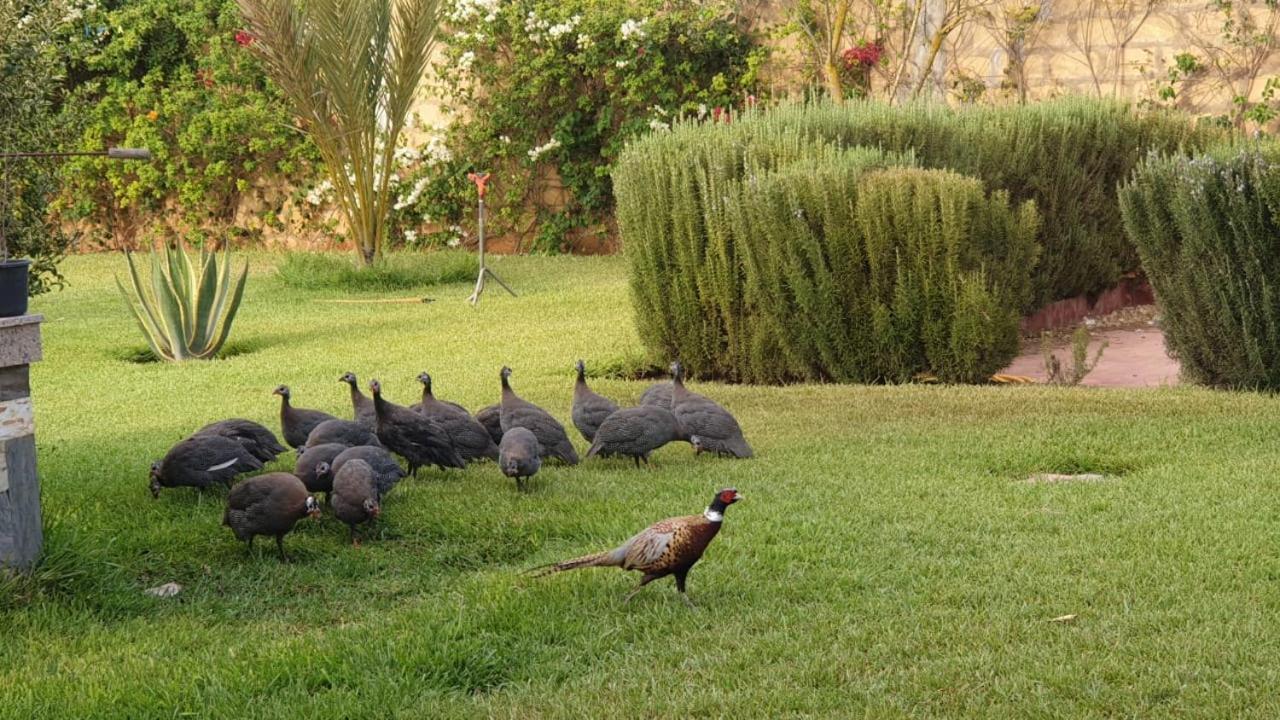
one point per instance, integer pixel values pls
(669, 547)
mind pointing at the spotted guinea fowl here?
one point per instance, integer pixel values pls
(414, 436)
(517, 412)
(259, 441)
(268, 505)
(361, 405)
(635, 432)
(297, 423)
(589, 408)
(519, 455)
(429, 398)
(313, 466)
(386, 471)
(716, 429)
(343, 432)
(491, 418)
(658, 394)
(200, 461)
(670, 547)
(355, 497)
(467, 434)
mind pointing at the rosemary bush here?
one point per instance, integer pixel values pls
(1208, 231)
(770, 255)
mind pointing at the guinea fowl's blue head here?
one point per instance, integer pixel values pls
(371, 508)
(282, 391)
(375, 387)
(581, 367)
(322, 469)
(677, 371)
(424, 377)
(313, 506)
(349, 378)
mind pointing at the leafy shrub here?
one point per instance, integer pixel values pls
(29, 104)
(392, 271)
(766, 255)
(1207, 229)
(1066, 155)
(547, 93)
(171, 76)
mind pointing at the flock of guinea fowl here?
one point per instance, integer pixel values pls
(353, 461)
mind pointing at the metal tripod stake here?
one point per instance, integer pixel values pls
(481, 179)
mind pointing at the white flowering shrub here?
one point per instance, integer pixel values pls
(547, 94)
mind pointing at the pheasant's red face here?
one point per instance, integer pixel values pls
(729, 497)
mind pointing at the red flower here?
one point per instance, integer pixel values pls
(865, 55)
(243, 39)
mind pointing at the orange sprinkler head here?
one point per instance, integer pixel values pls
(480, 179)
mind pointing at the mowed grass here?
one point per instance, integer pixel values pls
(888, 560)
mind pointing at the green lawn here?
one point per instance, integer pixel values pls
(887, 561)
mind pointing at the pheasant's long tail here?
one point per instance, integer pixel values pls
(593, 560)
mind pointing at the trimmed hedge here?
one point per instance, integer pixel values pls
(1208, 232)
(676, 190)
(765, 255)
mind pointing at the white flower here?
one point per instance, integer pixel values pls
(465, 60)
(464, 10)
(504, 139)
(702, 110)
(436, 151)
(634, 30)
(539, 151)
(454, 242)
(658, 109)
(410, 236)
(317, 194)
(414, 193)
(584, 41)
(407, 155)
(620, 64)
(656, 124)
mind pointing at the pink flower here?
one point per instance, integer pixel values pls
(243, 39)
(865, 55)
(751, 101)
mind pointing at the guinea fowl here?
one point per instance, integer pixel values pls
(491, 418)
(658, 395)
(519, 455)
(313, 466)
(200, 461)
(589, 408)
(517, 412)
(268, 505)
(429, 399)
(465, 432)
(386, 471)
(297, 423)
(716, 429)
(343, 432)
(361, 405)
(414, 436)
(635, 432)
(355, 497)
(259, 441)
(670, 547)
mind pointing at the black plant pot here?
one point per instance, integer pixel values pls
(13, 287)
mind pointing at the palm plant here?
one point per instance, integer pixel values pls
(181, 313)
(350, 68)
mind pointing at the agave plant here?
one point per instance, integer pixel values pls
(182, 312)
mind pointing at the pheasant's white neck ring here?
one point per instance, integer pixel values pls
(713, 516)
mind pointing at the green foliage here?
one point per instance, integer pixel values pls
(168, 75)
(767, 255)
(392, 271)
(32, 72)
(547, 93)
(1206, 228)
(1055, 374)
(181, 313)
(351, 73)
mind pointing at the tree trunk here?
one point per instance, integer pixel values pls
(831, 78)
(926, 70)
